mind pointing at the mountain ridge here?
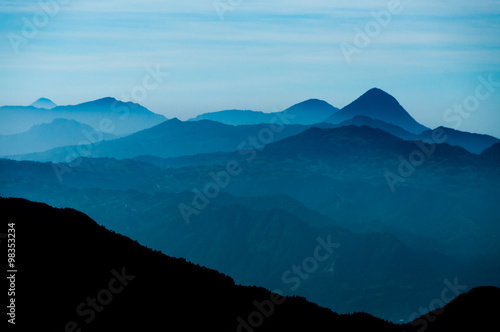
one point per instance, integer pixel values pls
(105, 114)
(46, 136)
(212, 298)
(44, 103)
(379, 105)
(306, 113)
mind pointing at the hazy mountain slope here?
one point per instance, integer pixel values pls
(236, 117)
(309, 112)
(136, 288)
(378, 124)
(176, 138)
(492, 155)
(335, 171)
(59, 132)
(378, 105)
(306, 113)
(106, 114)
(471, 142)
(475, 143)
(257, 247)
(145, 275)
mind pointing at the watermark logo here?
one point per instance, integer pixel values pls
(294, 277)
(31, 26)
(372, 29)
(250, 148)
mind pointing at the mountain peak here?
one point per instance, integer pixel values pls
(105, 100)
(379, 105)
(44, 103)
(310, 111)
(378, 96)
(313, 102)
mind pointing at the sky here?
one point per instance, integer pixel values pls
(187, 57)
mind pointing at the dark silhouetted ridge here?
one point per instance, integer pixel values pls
(66, 258)
(471, 311)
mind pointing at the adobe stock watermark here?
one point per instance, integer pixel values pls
(74, 155)
(460, 111)
(294, 277)
(372, 29)
(437, 306)
(220, 180)
(223, 6)
(92, 306)
(407, 166)
(454, 116)
(31, 26)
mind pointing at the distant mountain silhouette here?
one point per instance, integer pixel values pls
(472, 142)
(306, 113)
(378, 105)
(44, 103)
(492, 152)
(337, 170)
(106, 114)
(378, 124)
(310, 111)
(59, 132)
(475, 143)
(136, 289)
(174, 138)
(236, 117)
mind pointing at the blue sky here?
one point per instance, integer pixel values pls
(259, 55)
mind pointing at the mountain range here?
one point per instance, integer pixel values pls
(403, 210)
(42, 137)
(174, 138)
(105, 115)
(293, 190)
(225, 131)
(306, 113)
(116, 284)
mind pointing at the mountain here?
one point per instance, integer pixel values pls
(236, 117)
(378, 105)
(117, 284)
(492, 153)
(306, 113)
(394, 130)
(310, 112)
(475, 143)
(59, 132)
(105, 115)
(335, 171)
(257, 239)
(44, 103)
(176, 138)
(476, 303)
